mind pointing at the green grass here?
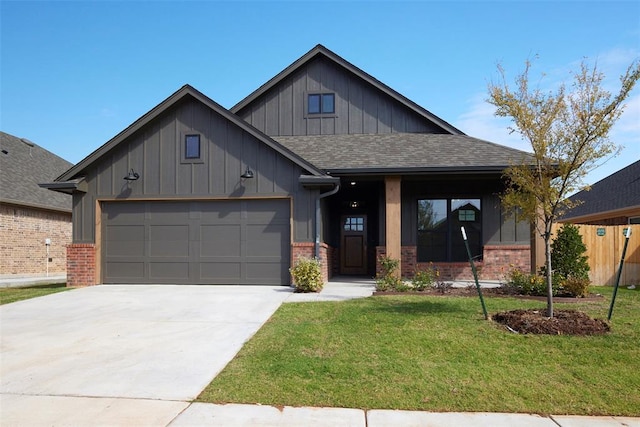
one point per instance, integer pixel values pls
(436, 354)
(8, 295)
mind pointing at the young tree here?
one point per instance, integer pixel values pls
(569, 135)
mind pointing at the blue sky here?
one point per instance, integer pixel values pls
(74, 74)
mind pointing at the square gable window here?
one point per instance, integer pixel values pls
(321, 103)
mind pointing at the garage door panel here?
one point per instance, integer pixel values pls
(220, 212)
(265, 273)
(265, 212)
(220, 240)
(127, 213)
(169, 241)
(220, 272)
(197, 242)
(175, 271)
(131, 270)
(125, 240)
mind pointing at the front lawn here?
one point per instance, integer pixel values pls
(436, 353)
(8, 295)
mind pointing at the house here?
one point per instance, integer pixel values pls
(30, 216)
(614, 200)
(322, 160)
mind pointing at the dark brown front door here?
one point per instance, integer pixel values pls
(353, 244)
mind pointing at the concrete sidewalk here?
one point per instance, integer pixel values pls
(22, 281)
(231, 415)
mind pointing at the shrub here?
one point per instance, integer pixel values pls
(387, 281)
(423, 279)
(307, 275)
(528, 284)
(568, 257)
(576, 286)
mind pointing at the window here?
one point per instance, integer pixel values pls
(439, 236)
(354, 224)
(191, 147)
(321, 103)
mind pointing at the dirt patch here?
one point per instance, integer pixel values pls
(564, 322)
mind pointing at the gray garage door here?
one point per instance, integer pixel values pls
(203, 242)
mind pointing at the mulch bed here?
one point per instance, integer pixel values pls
(532, 321)
(563, 322)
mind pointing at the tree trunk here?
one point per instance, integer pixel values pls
(547, 254)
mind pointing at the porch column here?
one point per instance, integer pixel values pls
(393, 223)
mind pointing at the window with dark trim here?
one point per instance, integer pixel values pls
(192, 149)
(321, 103)
(439, 236)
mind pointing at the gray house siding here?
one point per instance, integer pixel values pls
(155, 153)
(359, 107)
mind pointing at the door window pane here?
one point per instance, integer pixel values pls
(354, 224)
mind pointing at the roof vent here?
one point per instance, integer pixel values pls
(26, 141)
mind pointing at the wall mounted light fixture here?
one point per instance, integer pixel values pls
(248, 174)
(132, 176)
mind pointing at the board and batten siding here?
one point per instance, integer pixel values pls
(359, 107)
(155, 153)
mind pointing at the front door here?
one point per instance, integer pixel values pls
(353, 244)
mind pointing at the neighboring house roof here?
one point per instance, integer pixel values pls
(23, 165)
(77, 170)
(320, 50)
(402, 152)
(614, 195)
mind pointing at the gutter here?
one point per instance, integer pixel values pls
(318, 214)
(317, 181)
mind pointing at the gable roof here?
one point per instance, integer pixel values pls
(186, 90)
(23, 165)
(613, 194)
(320, 50)
(402, 153)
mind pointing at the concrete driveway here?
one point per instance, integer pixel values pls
(127, 355)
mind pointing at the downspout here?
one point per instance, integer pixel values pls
(322, 196)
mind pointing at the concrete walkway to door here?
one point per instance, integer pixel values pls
(122, 355)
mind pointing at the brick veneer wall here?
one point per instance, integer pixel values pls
(307, 250)
(81, 264)
(496, 262)
(23, 231)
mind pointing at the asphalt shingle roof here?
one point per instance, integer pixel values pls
(401, 151)
(617, 191)
(24, 165)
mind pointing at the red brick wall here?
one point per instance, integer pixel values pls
(496, 262)
(307, 250)
(81, 264)
(23, 231)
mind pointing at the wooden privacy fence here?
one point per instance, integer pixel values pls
(604, 249)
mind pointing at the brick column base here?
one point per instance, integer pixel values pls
(307, 250)
(81, 264)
